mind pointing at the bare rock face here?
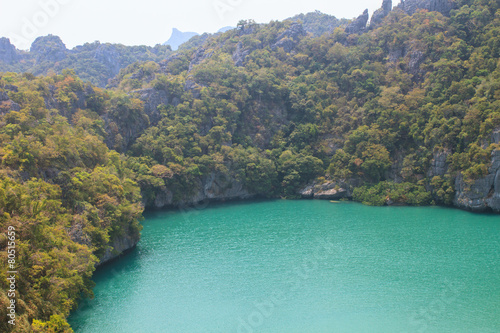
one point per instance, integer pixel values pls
(109, 56)
(8, 52)
(240, 54)
(439, 166)
(193, 87)
(495, 136)
(117, 247)
(3, 96)
(198, 57)
(6, 104)
(290, 38)
(442, 6)
(380, 13)
(358, 25)
(49, 48)
(153, 99)
(326, 191)
(484, 193)
(214, 187)
(414, 56)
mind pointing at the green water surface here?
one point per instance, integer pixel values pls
(302, 266)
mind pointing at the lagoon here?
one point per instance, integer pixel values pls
(302, 266)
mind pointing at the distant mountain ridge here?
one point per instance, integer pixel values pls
(94, 62)
(178, 37)
(98, 62)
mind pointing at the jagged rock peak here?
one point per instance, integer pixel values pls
(359, 24)
(380, 13)
(442, 6)
(49, 48)
(8, 52)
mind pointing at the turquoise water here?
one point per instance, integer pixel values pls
(303, 266)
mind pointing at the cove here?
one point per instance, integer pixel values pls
(302, 266)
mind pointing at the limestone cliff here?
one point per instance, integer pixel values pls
(358, 25)
(484, 193)
(328, 191)
(117, 247)
(442, 6)
(8, 52)
(6, 104)
(380, 13)
(213, 187)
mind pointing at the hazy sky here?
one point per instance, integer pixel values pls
(149, 22)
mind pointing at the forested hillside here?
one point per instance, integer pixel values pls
(404, 110)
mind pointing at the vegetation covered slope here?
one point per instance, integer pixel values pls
(259, 110)
(380, 106)
(66, 196)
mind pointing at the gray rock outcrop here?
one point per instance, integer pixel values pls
(198, 57)
(290, 37)
(117, 247)
(6, 104)
(439, 166)
(214, 187)
(240, 54)
(484, 193)
(442, 6)
(358, 25)
(326, 191)
(109, 56)
(8, 53)
(380, 13)
(153, 99)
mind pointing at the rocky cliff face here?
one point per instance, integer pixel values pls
(358, 25)
(198, 57)
(380, 13)
(108, 55)
(410, 7)
(442, 6)
(214, 187)
(8, 52)
(439, 166)
(327, 191)
(289, 38)
(484, 193)
(117, 247)
(6, 104)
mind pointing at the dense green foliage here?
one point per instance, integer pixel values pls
(270, 107)
(67, 196)
(371, 107)
(395, 193)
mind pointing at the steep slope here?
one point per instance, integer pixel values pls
(404, 111)
(374, 110)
